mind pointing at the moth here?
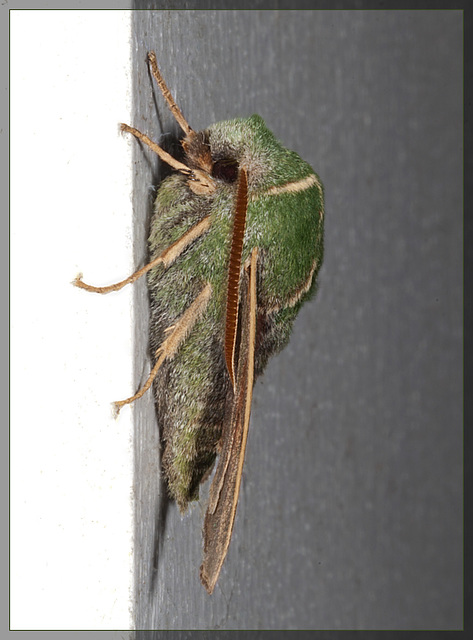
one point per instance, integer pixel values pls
(236, 242)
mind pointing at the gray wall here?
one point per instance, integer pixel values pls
(350, 514)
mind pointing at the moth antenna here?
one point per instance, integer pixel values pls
(234, 266)
(176, 112)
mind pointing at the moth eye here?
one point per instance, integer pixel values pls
(226, 170)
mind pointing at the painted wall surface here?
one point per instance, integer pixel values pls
(71, 352)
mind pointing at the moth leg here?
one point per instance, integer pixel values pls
(171, 344)
(206, 183)
(166, 258)
(164, 155)
(225, 489)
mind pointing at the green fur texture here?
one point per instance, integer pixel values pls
(192, 391)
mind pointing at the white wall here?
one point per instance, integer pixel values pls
(71, 351)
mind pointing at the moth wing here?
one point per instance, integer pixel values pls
(220, 516)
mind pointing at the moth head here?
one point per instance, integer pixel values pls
(222, 149)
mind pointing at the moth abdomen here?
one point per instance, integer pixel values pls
(191, 396)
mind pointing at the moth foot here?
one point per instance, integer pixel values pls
(77, 280)
(116, 407)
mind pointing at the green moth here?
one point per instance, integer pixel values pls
(235, 245)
